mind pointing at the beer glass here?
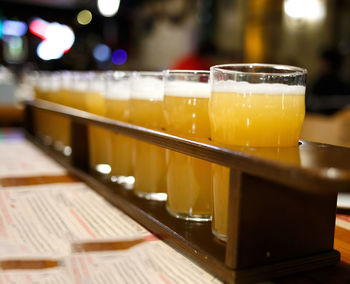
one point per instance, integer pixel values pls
(99, 138)
(118, 108)
(41, 117)
(186, 96)
(146, 109)
(66, 86)
(50, 93)
(61, 124)
(252, 105)
(79, 90)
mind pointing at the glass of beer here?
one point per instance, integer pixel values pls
(186, 97)
(118, 108)
(79, 90)
(99, 138)
(64, 99)
(146, 109)
(53, 119)
(252, 105)
(42, 117)
(61, 129)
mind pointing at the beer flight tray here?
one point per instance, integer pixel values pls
(281, 214)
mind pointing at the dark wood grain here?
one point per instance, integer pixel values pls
(277, 223)
(79, 142)
(29, 120)
(235, 211)
(192, 239)
(311, 166)
(280, 199)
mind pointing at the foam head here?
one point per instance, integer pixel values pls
(187, 89)
(55, 82)
(246, 88)
(147, 86)
(80, 81)
(118, 90)
(97, 83)
(67, 80)
(44, 82)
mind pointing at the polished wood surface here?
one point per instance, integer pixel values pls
(315, 167)
(11, 115)
(282, 209)
(192, 239)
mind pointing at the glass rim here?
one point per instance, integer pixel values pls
(147, 73)
(294, 70)
(118, 74)
(186, 72)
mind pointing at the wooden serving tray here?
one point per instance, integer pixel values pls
(282, 202)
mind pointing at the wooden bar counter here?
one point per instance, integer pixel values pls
(282, 204)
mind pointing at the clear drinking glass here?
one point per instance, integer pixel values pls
(61, 130)
(252, 105)
(66, 85)
(99, 138)
(146, 109)
(186, 96)
(43, 118)
(118, 108)
(79, 90)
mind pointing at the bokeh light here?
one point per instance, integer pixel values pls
(108, 8)
(57, 38)
(14, 28)
(301, 9)
(102, 52)
(84, 17)
(38, 27)
(119, 56)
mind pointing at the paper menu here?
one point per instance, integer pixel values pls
(343, 221)
(343, 200)
(43, 221)
(149, 262)
(57, 275)
(39, 223)
(47, 218)
(22, 159)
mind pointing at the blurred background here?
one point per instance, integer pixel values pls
(182, 34)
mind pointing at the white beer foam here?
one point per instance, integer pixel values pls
(44, 84)
(97, 85)
(118, 90)
(231, 86)
(67, 84)
(147, 88)
(187, 89)
(55, 84)
(79, 85)
(67, 80)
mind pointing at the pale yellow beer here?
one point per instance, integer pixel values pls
(59, 123)
(38, 114)
(118, 108)
(65, 93)
(43, 119)
(146, 109)
(188, 179)
(79, 89)
(41, 116)
(251, 115)
(99, 138)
